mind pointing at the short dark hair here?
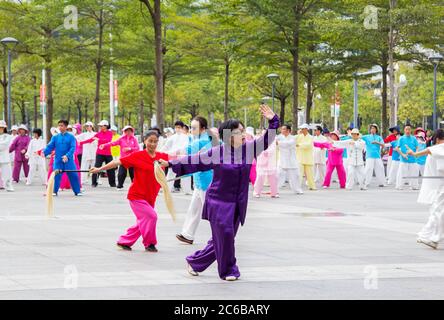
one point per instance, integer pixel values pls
(438, 135)
(203, 123)
(320, 129)
(287, 126)
(156, 129)
(349, 128)
(37, 131)
(179, 123)
(230, 124)
(186, 127)
(65, 122)
(150, 133)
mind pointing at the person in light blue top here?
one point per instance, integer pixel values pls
(64, 145)
(396, 159)
(201, 141)
(408, 166)
(422, 145)
(373, 161)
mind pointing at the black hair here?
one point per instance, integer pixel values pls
(203, 123)
(186, 127)
(288, 126)
(156, 129)
(65, 122)
(408, 124)
(349, 128)
(38, 132)
(228, 125)
(438, 135)
(150, 133)
(179, 123)
(320, 129)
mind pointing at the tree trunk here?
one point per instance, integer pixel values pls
(157, 22)
(36, 115)
(79, 112)
(391, 45)
(5, 95)
(99, 65)
(227, 79)
(295, 70)
(68, 118)
(309, 99)
(282, 113)
(50, 102)
(141, 118)
(384, 120)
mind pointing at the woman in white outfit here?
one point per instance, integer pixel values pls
(5, 160)
(89, 150)
(36, 162)
(432, 191)
(288, 163)
(355, 159)
(320, 156)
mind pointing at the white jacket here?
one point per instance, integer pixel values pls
(89, 149)
(320, 156)
(355, 149)
(287, 152)
(34, 146)
(5, 142)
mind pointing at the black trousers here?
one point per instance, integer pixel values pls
(100, 159)
(79, 158)
(121, 175)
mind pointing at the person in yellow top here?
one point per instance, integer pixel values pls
(115, 151)
(305, 155)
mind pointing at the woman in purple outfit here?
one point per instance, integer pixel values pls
(227, 197)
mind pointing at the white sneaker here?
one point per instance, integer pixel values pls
(191, 271)
(231, 278)
(429, 243)
(276, 196)
(300, 192)
(256, 195)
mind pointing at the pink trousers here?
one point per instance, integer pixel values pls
(272, 180)
(341, 174)
(145, 226)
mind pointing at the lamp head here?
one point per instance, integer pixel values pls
(273, 77)
(436, 58)
(9, 42)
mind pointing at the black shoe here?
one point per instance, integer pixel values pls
(112, 185)
(183, 239)
(151, 248)
(124, 247)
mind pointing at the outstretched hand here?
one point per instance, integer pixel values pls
(163, 163)
(94, 170)
(267, 112)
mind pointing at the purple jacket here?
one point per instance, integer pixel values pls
(20, 143)
(228, 192)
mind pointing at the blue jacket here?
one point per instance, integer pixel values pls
(202, 180)
(64, 145)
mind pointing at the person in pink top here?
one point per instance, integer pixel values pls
(334, 160)
(104, 136)
(128, 144)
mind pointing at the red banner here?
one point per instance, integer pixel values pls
(116, 96)
(42, 93)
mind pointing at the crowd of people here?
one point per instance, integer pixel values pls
(216, 166)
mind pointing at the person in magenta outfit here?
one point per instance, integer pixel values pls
(227, 197)
(103, 155)
(20, 146)
(335, 161)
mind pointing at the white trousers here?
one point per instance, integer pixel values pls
(389, 165)
(421, 168)
(355, 174)
(393, 173)
(293, 177)
(194, 214)
(40, 168)
(6, 170)
(376, 165)
(407, 170)
(86, 165)
(185, 183)
(320, 169)
(434, 228)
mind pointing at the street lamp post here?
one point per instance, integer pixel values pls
(435, 59)
(273, 78)
(9, 43)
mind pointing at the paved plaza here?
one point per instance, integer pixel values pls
(327, 244)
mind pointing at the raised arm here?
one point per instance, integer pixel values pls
(262, 143)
